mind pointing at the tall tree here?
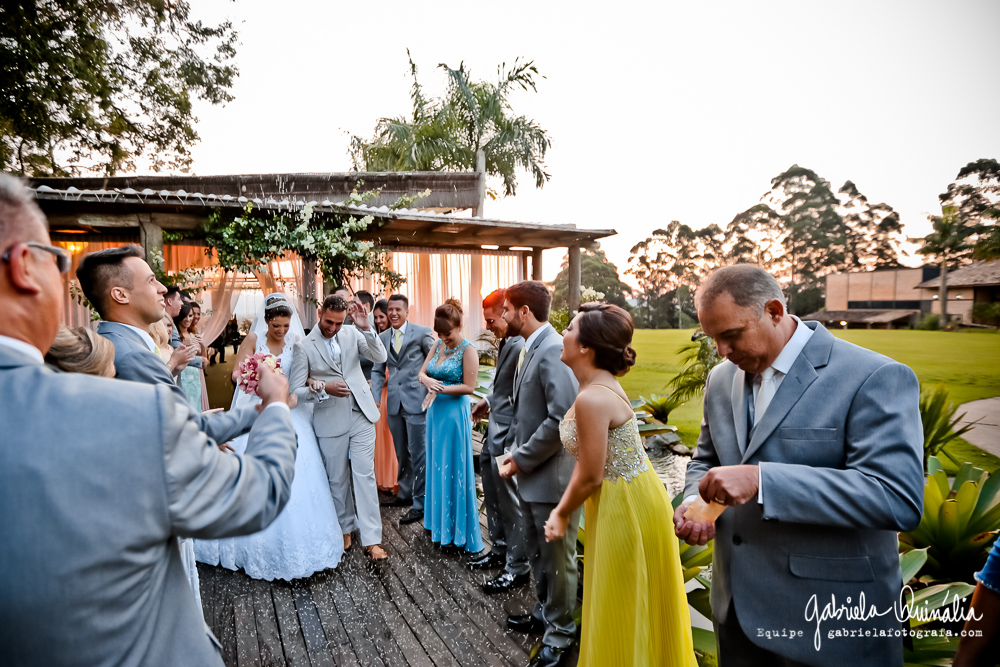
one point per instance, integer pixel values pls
(975, 195)
(445, 134)
(874, 232)
(96, 85)
(948, 243)
(597, 273)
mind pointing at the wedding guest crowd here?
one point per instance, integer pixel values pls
(809, 448)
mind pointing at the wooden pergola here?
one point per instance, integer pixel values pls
(140, 208)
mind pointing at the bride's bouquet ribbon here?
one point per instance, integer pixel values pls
(249, 371)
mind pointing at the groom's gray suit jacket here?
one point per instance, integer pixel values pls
(97, 477)
(840, 456)
(312, 358)
(134, 361)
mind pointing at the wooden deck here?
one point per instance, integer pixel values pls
(419, 608)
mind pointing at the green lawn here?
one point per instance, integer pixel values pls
(966, 362)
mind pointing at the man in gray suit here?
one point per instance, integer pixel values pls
(99, 476)
(544, 389)
(408, 345)
(815, 446)
(124, 291)
(503, 510)
(326, 371)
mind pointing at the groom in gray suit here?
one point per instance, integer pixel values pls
(326, 371)
(815, 445)
(97, 479)
(544, 389)
(124, 291)
(408, 345)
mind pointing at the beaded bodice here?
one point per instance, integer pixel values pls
(446, 365)
(626, 456)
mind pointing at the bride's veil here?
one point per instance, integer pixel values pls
(259, 326)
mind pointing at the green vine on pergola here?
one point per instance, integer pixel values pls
(248, 242)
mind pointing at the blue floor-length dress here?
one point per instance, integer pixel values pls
(451, 510)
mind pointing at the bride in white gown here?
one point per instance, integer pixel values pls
(306, 537)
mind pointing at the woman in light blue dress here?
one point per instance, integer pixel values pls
(306, 537)
(451, 511)
(190, 378)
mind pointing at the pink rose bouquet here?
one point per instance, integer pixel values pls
(248, 373)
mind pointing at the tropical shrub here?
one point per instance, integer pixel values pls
(986, 313)
(959, 524)
(937, 414)
(930, 322)
(699, 357)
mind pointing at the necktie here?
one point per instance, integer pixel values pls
(764, 394)
(158, 353)
(397, 341)
(520, 359)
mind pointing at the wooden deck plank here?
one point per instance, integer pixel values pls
(457, 631)
(312, 630)
(227, 627)
(247, 648)
(292, 641)
(337, 639)
(353, 620)
(268, 636)
(453, 578)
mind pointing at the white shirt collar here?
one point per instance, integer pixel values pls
(793, 348)
(23, 348)
(536, 334)
(146, 338)
(401, 329)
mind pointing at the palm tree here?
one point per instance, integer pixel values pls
(948, 240)
(446, 134)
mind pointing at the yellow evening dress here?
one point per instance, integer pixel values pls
(635, 611)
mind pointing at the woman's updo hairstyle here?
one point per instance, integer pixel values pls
(607, 330)
(80, 350)
(276, 305)
(448, 316)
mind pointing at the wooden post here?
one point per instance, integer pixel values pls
(523, 272)
(536, 263)
(151, 238)
(477, 212)
(309, 304)
(573, 253)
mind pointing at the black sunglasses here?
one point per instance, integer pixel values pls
(63, 259)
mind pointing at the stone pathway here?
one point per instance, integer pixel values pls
(985, 434)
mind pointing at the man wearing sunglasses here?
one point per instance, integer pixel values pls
(97, 478)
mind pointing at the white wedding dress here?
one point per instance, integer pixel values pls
(306, 537)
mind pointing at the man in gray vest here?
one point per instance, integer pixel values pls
(97, 479)
(408, 345)
(503, 510)
(544, 389)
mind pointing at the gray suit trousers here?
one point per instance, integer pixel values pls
(409, 433)
(503, 516)
(359, 445)
(554, 566)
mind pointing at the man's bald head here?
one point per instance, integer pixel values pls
(20, 217)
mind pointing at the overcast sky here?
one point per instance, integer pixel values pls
(658, 111)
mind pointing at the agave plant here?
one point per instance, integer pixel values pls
(937, 414)
(929, 649)
(959, 524)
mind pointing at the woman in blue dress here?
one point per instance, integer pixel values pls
(451, 511)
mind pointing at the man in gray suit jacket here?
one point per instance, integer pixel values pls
(815, 446)
(408, 345)
(544, 389)
(125, 292)
(98, 477)
(326, 371)
(503, 509)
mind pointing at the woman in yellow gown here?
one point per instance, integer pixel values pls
(635, 611)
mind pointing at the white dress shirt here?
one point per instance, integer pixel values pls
(23, 348)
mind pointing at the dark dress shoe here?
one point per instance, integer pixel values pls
(396, 501)
(505, 581)
(551, 656)
(487, 562)
(411, 516)
(526, 623)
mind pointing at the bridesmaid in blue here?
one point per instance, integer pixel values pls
(451, 512)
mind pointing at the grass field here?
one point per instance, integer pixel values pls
(967, 363)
